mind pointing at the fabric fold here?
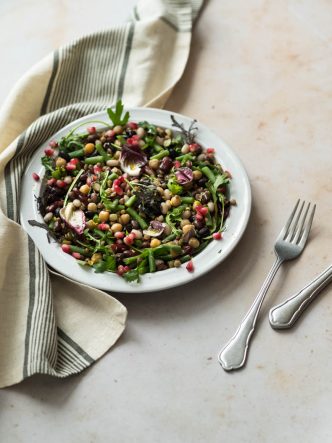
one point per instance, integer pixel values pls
(48, 323)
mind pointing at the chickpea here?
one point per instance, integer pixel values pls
(168, 204)
(89, 148)
(96, 187)
(197, 174)
(112, 163)
(91, 224)
(164, 208)
(167, 194)
(60, 162)
(117, 129)
(167, 229)
(168, 132)
(77, 203)
(210, 206)
(124, 219)
(155, 242)
(113, 217)
(104, 216)
(187, 228)
(185, 149)
(85, 189)
(160, 190)
(116, 227)
(117, 153)
(92, 207)
(160, 218)
(176, 201)
(48, 217)
(184, 222)
(186, 214)
(154, 163)
(68, 179)
(177, 263)
(138, 234)
(140, 132)
(193, 242)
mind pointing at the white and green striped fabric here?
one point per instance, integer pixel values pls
(48, 323)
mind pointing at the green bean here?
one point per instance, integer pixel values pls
(152, 262)
(170, 237)
(113, 176)
(160, 155)
(130, 260)
(137, 217)
(114, 204)
(184, 258)
(209, 174)
(131, 200)
(78, 249)
(165, 249)
(78, 153)
(100, 149)
(118, 208)
(167, 257)
(94, 160)
(187, 199)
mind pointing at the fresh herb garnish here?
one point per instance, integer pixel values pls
(116, 115)
(190, 133)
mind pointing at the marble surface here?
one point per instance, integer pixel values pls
(260, 76)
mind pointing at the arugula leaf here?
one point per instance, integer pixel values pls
(173, 216)
(103, 196)
(48, 163)
(116, 116)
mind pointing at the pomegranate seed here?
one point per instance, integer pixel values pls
(132, 235)
(193, 147)
(76, 255)
(128, 240)
(92, 130)
(65, 248)
(217, 235)
(119, 235)
(203, 211)
(97, 169)
(103, 226)
(126, 268)
(35, 176)
(199, 217)
(53, 144)
(110, 133)
(51, 181)
(133, 140)
(121, 270)
(118, 190)
(190, 266)
(132, 125)
(70, 166)
(177, 164)
(74, 161)
(61, 184)
(198, 208)
(210, 150)
(49, 152)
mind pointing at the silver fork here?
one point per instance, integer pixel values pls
(289, 245)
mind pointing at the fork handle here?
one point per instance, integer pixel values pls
(234, 354)
(285, 314)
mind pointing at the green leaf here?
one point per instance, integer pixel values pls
(132, 275)
(48, 162)
(100, 267)
(110, 263)
(174, 187)
(222, 179)
(116, 115)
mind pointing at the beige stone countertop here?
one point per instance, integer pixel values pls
(259, 75)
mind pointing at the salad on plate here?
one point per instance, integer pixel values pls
(132, 198)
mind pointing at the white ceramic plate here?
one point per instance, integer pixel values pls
(211, 256)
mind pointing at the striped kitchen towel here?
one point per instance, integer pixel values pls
(48, 323)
